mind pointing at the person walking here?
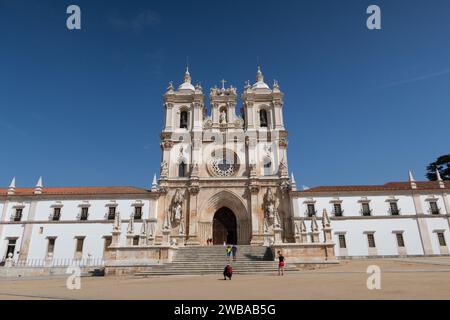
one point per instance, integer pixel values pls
(234, 250)
(228, 252)
(227, 272)
(281, 263)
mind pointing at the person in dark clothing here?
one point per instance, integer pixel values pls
(234, 250)
(227, 272)
(281, 263)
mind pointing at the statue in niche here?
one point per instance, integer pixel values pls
(269, 204)
(177, 206)
(223, 117)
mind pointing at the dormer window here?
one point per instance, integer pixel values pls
(184, 120)
(18, 215)
(393, 208)
(337, 209)
(56, 214)
(311, 209)
(138, 213)
(365, 209)
(84, 213)
(111, 213)
(263, 119)
(434, 209)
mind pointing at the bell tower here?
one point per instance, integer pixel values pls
(267, 137)
(183, 126)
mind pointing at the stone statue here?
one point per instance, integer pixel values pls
(223, 117)
(269, 204)
(177, 206)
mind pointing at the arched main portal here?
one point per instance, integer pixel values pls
(225, 227)
(214, 205)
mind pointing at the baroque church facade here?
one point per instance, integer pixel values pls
(224, 178)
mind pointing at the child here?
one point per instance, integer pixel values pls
(228, 252)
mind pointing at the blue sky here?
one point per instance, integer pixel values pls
(84, 108)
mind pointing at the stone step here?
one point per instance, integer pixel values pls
(212, 260)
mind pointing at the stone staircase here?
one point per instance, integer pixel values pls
(212, 260)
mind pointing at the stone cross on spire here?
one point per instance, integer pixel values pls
(223, 83)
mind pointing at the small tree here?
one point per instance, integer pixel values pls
(443, 165)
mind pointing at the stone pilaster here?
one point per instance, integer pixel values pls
(28, 231)
(192, 222)
(422, 225)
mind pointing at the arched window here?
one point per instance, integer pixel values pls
(184, 120)
(182, 169)
(267, 167)
(263, 118)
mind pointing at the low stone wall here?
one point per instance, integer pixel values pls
(24, 272)
(132, 259)
(305, 252)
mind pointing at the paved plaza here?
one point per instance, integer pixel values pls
(415, 278)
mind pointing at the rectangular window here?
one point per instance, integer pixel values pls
(112, 213)
(400, 240)
(108, 241)
(394, 208)
(51, 245)
(365, 208)
(18, 215)
(342, 242)
(137, 213)
(56, 214)
(337, 210)
(136, 241)
(441, 239)
(311, 210)
(371, 240)
(434, 207)
(84, 213)
(80, 242)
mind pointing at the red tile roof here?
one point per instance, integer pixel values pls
(391, 186)
(78, 191)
